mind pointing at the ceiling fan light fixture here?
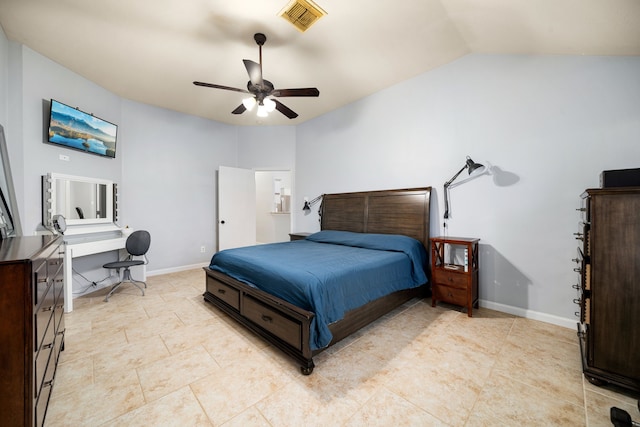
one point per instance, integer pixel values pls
(269, 104)
(262, 110)
(249, 103)
(302, 13)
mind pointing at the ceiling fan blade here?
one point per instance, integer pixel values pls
(240, 109)
(255, 72)
(285, 110)
(211, 85)
(307, 91)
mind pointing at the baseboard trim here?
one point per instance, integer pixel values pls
(530, 314)
(176, 269)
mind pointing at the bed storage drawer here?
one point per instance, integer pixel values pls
(223, 292)
(273, 321)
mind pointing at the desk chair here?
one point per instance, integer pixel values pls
(137, 244)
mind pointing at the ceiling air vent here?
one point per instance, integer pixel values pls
(302, 13)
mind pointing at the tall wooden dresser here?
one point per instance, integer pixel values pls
(31, 326)
(609, 287)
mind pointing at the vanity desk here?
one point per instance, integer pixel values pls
(90, 209)
(77, 245)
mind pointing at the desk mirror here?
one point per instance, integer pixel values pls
(9, 219)
(81, 200)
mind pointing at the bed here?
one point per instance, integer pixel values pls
(373, 256)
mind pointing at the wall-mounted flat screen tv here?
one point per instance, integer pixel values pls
(76, 129)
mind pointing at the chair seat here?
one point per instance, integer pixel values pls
(124, 264)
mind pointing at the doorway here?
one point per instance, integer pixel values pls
(273, 206)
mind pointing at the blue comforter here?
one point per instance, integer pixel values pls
(328, 273)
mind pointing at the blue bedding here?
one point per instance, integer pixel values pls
(329, 272)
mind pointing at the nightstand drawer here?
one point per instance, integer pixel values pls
(450, 278)
(451, 295)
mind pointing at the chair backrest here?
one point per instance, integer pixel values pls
(138, 242)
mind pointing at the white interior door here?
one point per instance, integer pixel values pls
(236, 207)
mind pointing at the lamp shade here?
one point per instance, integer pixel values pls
(249, 103)
(474, 168)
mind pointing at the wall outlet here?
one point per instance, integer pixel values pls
(203, 249)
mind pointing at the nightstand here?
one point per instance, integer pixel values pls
(455, 283)
(298, 236)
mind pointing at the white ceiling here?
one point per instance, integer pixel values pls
(152, 50)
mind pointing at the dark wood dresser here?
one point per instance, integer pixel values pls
(609, 286)
(31, 326)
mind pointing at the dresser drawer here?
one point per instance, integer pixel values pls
(451, 295)
(43, 315)
(42, 360)
(273, 321)
(450, 278)
(41, 404)
(223, 292)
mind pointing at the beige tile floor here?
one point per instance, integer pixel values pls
(170, 359)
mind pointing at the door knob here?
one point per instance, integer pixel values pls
(222, 222)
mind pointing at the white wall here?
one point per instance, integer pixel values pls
(4, 78)
(43, 79)
(169, 181)
(545, 125)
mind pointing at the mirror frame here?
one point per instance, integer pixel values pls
(15, 228)
(49, 199)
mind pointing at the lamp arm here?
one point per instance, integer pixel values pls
(448, 183)
(446, 191)
(315, 200)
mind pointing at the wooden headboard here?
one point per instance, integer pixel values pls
(386, 212)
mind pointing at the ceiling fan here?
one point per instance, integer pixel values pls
(262, 89)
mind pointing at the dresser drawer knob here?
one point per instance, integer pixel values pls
(267, 318)
(222, 291)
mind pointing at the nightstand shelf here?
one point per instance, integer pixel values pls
(455, 283)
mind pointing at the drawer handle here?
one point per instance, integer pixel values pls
(576, 287)
(222, 291)
(42, 280)
(267, 318)
(576, 301)
(47, 346)
(48, 384)
(450, 295)
(577, 270)
(47, 308)
(450, 279)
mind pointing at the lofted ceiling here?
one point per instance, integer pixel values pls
(151, 51)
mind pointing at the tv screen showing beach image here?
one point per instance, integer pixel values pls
(76, 129)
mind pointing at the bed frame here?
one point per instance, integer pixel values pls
(286, 326)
